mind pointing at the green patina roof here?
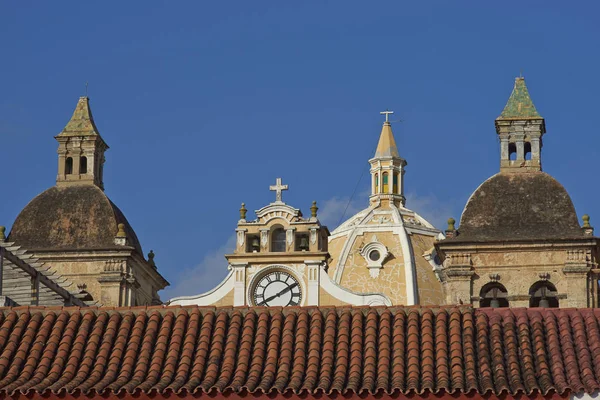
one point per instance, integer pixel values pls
(519, 103)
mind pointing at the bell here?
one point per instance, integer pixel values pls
(304, 243)
(495, 303)
(544, 303)
(255, 245)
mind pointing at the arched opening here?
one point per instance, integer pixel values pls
(493, 295)
(68, 166)
(543, 294)
(527, 151)
(395, 188)
(385, 183)
(376, 184)
(83, 165)
(512, 151)
(278, 239)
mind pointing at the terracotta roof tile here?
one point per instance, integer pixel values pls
(299, 350)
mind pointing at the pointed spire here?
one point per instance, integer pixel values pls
(82, 121)
(519, 105)
(387, 145)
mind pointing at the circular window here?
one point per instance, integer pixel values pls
(374, 255)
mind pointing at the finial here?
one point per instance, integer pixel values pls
(586, 221)
(313, 209)
(151, 259)
(86, 89)
(387, 115)
(2, 233)
(121, 233)
(243, 211)
(451, 222)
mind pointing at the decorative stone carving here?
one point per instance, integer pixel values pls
(241, 237)
(313, 235)
(375, 254)
(264, 238)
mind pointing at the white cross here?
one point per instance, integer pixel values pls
(278, 188)
(387, 114)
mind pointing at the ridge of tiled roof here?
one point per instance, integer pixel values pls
(310, 350)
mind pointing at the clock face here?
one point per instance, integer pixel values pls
(277, 288)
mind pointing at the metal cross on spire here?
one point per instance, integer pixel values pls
(278, 188)
(387, 115)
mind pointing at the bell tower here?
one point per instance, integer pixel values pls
(520, 129)
(387, 169)
(80, 149)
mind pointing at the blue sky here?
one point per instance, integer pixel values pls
(204, 104)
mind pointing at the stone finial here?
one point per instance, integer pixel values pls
(243, 211)
(451, 222)
(151, 259)
(587, 228)
(2, 233)
(121, 231)
(313, 209)
(451, 231)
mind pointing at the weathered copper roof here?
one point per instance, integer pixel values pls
(511, 206)
(78, 217)
(386, 147)
(82, 122)
(193, 350)
(519, 105)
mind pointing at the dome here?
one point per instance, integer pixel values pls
(516, 206)
(76, 217)
(387, 249)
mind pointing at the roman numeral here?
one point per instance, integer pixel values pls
(277, 276)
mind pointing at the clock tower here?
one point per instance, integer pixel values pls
(280, 259)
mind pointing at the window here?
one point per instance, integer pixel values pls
(278, 240)
(493, 295)
(374, 255)
(543, 294)
(512, 151)
(83, 165)
(385, 182)
(527, 151)
(396, 183)
(376, 183)
(68, 166)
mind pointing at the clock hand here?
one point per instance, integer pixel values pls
(268, 299)
(287, 289)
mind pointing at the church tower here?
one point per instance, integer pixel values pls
(387, 169)
(520, 128)
(80, 149)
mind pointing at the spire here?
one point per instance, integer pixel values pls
(519, 104)
(80, 149)
(387, 145)
(520, 129)
(82, 121)
(387, 169)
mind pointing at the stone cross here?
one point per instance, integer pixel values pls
(278, 188)
(387, 114)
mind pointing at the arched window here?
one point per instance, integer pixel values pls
(543, 294)
(68, 166)
(395, 183)
(527, 151)
(512, 151)
(493, 295)
(83, 165)
(376, 183)
(385, 183)
(278, 239)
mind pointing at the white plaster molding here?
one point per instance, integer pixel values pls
(374, 264)
(274, 267)
(289, 235)
(350, 297)
(312, 295)
(409, 263)
(264, 238)
(207, 298)
(313, 235)
(276, 210)
(239, 286)
(241, 236)
(431, 257)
